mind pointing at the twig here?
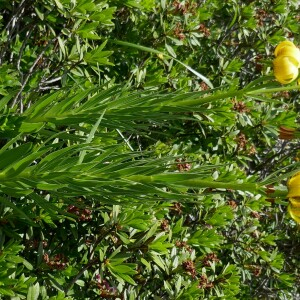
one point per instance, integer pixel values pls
(51, 80)
(46, 88)
(13, 21)
(16, 15)
(91, 263)
(30, 72)
(125, 140)
(23, 47)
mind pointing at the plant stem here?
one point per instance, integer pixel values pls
(196, 183)
(273, 90)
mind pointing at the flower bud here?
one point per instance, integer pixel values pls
(290, 52)
(287, 62)
(294, 197)
(285, 69)
(283, 44)
(294, 188)
(294, 212)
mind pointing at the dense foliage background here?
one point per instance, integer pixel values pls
(140, 145)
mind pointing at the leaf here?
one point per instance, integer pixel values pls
(160, 246)
(86, 30)
(39, 13)
(170, 50)
(61, 45)
(16, 167)
(6, 292)
(126, 277)
(22, 214)
(105, 16)
(234, 66)
(206, 239)
(221, 217)
(8, 157)
(40, 107)
(27, 264)
(124, 269)
(178, 226)
(98, 57)
(90, 137)
(30, 127)
(158, 260)
(33, 292)
(5, 100)
(58, 4)
(146, 263)
(80, 282)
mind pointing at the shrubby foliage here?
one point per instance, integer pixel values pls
(126, 174)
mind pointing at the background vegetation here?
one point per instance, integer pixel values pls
(140, 145)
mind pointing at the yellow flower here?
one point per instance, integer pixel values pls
(285, 69)
(160, 55)
(295, 202)
(283, 44)
(294, 197)
(294, 187)
(294, 211)
(290, 52)
(287, 62)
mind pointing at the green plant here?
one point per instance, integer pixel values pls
(132, 164)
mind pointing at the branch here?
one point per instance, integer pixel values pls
(28, 34)
(30, 72)
(91, 262)
(12, 22)
(87, 266)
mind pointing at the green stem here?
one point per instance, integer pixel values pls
(273, 90)
(174, 180)
(199, 101)
(198, 183)
(231, 94)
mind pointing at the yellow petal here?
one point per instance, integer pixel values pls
(283, 44)
(294, 186)
(295, 202)
(294, 213)
(291, 52)
(285, 69)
